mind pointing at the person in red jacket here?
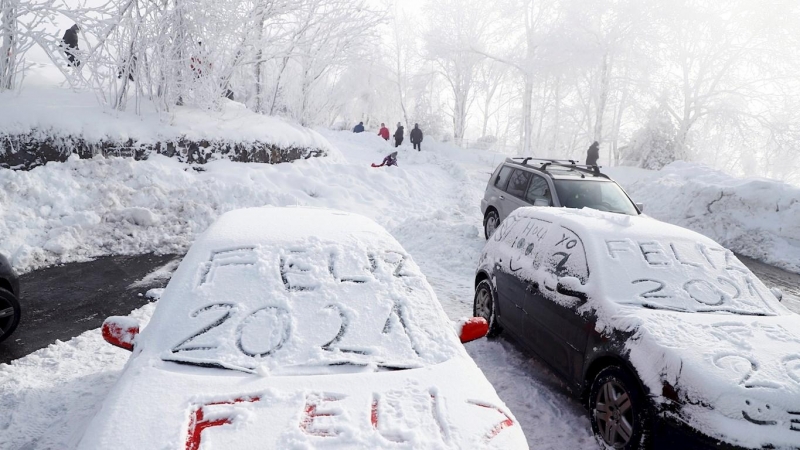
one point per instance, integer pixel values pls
(384, 132)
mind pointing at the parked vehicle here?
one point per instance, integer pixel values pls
(666, 337)
(10, 310)
(518, 182)
(299, 327)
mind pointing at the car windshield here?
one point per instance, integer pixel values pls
(603, 195)
(308, 309)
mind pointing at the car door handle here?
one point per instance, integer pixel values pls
(532, 287)
(502, 197)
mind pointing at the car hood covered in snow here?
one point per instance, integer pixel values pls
(700, 321)
(736, 378)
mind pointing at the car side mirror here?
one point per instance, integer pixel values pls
(473, 328)
(565, 288)
(541, 202)
(640, 206)
(120, 331)
(777, 293)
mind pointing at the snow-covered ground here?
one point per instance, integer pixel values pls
(86, 208)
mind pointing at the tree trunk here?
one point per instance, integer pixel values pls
(526, 116)
(8, 26)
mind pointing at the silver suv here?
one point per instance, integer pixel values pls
(519, 182)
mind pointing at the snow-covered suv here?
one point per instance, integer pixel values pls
(666, 336)
(550, 182)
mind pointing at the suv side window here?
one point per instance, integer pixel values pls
(502, 178)
(518, 183)
(538, 190)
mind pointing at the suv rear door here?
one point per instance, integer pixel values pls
(515, 193)
(556, 330)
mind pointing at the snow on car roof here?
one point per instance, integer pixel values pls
(293, 290)
(637, 260)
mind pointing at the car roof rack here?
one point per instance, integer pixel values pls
(525, 160)
(566, 163)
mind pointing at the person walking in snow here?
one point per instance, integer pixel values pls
(390, 160)
(359, 128)
(384, 132)
(416, 137)
(70, 45)
(398, 135)
(593, 154)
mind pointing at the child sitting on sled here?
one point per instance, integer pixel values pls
(390, 160)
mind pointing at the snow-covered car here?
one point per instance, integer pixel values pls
(299, 328)
(10, 310)
(665, 335)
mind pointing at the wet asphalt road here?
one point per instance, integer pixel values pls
(62, 302)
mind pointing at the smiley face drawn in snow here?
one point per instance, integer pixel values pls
(760, 374)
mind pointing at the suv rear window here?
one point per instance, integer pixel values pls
(502, 178)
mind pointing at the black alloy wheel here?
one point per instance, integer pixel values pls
(618, 410)
(483, 306)
(10, 313)
(490, 223)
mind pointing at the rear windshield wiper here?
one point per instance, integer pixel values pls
(211, 365)
(380, 366)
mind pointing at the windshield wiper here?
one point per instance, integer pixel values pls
(387, 367)
(211, 365)
(699, 311)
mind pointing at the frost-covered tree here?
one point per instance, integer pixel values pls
(20, 25)
(654, 145)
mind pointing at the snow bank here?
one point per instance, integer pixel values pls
(755, 217)
(60, 112)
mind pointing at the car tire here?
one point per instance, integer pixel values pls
(10, 312)
(618, 410)
(490, 222)
(483, 306)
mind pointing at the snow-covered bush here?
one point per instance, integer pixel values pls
(654, 146)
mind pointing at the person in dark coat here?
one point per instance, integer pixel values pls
(384, 132)
(125, 67)
(416, 137)
(359, 128)
(593, 154)
(70, 44)
(398, 135)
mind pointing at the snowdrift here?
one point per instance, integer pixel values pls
(49, 124)
(755, 217)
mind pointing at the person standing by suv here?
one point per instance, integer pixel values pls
(593, 154)
(416, 137)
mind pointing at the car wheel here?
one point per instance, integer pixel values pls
(619, 412)
(10, 313)
(483, 306)
(490, 223)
